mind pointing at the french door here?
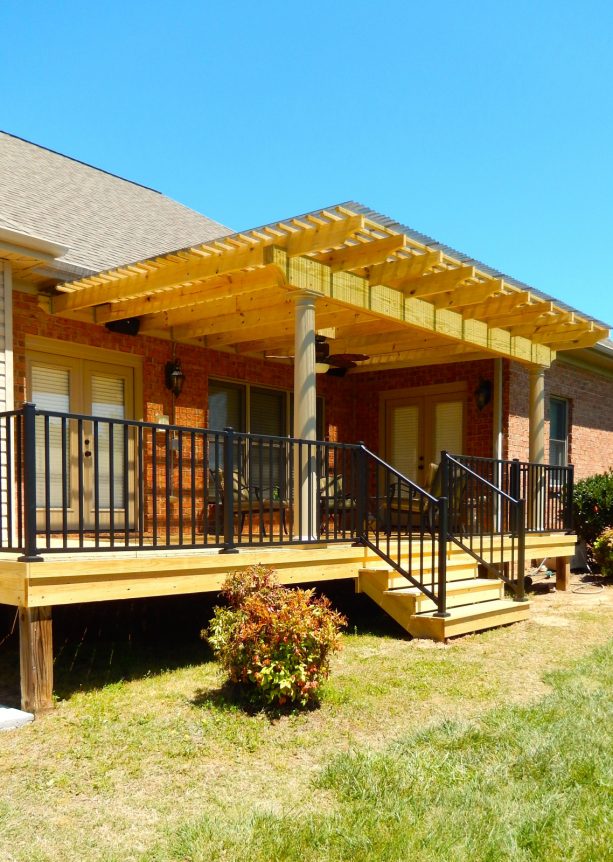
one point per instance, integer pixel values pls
(81, 471)
(418, 427)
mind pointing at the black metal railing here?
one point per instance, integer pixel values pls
(406, 526)
(485, 521)
(546, 488)
(75, 482)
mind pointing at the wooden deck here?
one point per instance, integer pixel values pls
(93, 576)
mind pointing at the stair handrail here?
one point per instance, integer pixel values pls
(403, 496)
(471, 511)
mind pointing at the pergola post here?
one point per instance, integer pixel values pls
(306, 522)
(536, 432)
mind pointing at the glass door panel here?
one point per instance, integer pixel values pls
(109, 480)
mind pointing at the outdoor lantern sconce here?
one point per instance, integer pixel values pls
(483, 394)
(174, 377)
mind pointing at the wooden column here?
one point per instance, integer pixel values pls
(36, 659)
(562, 573)
(536, 430)
(306, 521)
(537, 415)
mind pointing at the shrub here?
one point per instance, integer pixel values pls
(593, 506)
(274, 641)
(603, 551)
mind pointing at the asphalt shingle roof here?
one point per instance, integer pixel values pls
(104, 220)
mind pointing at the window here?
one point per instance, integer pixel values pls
(257, 410)
(558, 431)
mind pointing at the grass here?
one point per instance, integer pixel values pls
(497, 747)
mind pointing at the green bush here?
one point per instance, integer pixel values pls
(273, 641)
(593, 506)
(603, 551)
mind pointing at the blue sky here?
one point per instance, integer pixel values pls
(486, 125)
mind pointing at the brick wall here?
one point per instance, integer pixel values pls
(479, 423)
(198, 365)
(590, 397)
(351, 403)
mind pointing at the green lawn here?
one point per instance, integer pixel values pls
(496, 747)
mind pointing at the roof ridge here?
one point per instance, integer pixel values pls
(80, 162)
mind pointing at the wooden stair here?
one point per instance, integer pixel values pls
(473, 603)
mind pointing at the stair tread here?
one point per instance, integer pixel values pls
(493, 606)
(453, 586)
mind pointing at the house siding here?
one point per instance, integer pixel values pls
(6, 372)
(590, 396)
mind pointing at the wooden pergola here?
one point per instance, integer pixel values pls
(377, 289)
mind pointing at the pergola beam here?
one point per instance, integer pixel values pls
(363, 254)
(202, 312)
(393, 272)
(210, 290)
(497, 306)
(438, 282)
(467, 293)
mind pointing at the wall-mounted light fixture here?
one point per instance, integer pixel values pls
(483, 394)
(174, 377)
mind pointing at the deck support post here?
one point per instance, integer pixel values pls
(536, 430)
(562, 574)
(306, 491)
(36, 659)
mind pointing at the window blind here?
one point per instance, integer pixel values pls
(108, 402)
(448, 428)
(51, 391)
(404, 428)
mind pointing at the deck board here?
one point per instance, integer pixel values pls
(90, 576)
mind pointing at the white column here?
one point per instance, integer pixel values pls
(536, 430)
(498, 437)
(537, 415)
(306, 520)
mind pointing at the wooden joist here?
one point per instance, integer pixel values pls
(390, 280)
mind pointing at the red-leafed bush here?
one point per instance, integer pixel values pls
(274, 641)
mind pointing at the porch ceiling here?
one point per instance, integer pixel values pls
(380, 290)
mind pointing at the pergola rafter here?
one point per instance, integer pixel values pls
(378, 287)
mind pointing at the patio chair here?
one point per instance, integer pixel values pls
(247, 500)
(334, 502)
(406, 511)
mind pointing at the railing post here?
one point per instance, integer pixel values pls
(361, 492)
(228, 493)
(520, 592)
(31, 554)
(443, 532)
(515, 492)
(569, 518)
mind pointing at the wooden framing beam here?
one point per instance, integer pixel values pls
(438, 282)
(527, 314)
(393, 272)
(390, 304)
(322, 235)
(497, 306)
(196, 267)
(247, 342)
(237, 322)
(571, 335)
(208, 290)
(407, 358)
(459, 297)
(204, 311)
(363, 254)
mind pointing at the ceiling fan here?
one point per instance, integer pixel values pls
(339, 363)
